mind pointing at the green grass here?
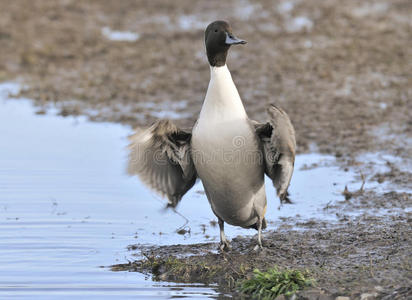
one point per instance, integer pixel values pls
(270, 284)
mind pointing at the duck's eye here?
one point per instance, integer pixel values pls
(216, 30)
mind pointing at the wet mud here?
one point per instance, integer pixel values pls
(367, 254)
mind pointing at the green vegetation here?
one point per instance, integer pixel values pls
(229, 276)
(270, 284)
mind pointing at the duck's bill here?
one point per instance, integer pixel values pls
(232, 40)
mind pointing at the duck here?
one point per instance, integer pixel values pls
(229, 152)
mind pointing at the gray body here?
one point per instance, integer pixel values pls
(234, 178)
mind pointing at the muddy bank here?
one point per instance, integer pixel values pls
(365, 254)
(362, 255)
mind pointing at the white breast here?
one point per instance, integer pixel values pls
(222, 131)
(222, 103)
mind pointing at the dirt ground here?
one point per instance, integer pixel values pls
(359, 256)
(341, 69)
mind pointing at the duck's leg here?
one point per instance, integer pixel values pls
(259, 228)
(224, 243)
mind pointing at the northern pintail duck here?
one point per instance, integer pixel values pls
(226, 150)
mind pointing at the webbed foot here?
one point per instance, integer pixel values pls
(258, 248)
(225, 246)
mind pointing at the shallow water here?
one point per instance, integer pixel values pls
(67, 207)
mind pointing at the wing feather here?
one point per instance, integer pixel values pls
(278, 143)
(161, 157)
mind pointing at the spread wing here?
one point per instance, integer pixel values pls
(277, 137)
(161, 157)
